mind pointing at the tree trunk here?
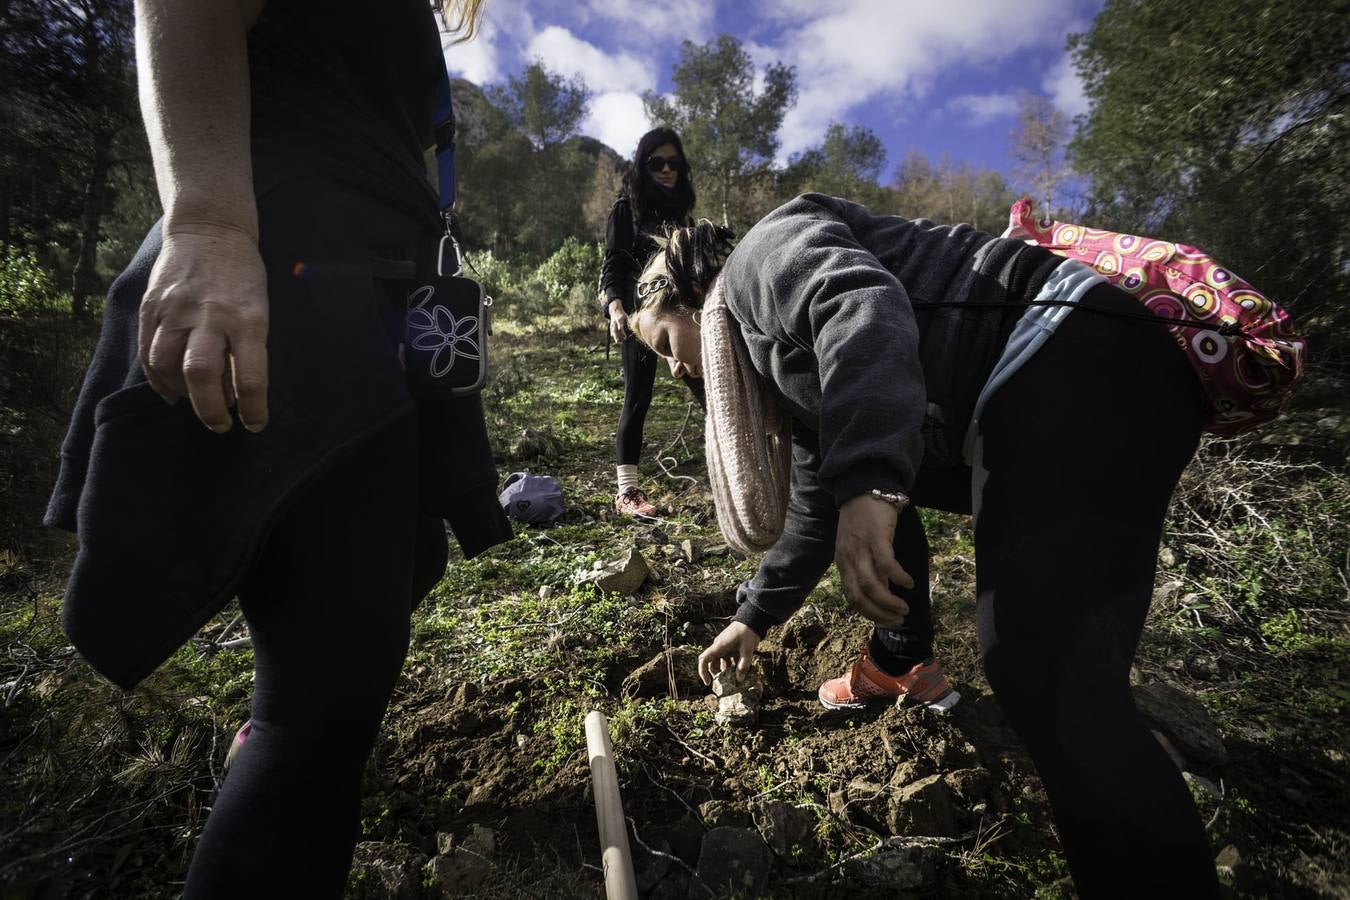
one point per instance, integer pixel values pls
(5, 203)
(85, 282)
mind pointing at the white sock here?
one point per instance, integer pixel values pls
(628, 478)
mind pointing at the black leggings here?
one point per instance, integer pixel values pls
(1083, 447)
(639, 376)
(327, 607)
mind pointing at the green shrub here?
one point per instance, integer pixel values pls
(26, 289)
(561, 287)
(576, 264)
(498, 274)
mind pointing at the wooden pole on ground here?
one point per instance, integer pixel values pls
(620, 884)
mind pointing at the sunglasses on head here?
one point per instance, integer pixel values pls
(658, 163)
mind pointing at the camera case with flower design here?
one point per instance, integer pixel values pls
(446, 328)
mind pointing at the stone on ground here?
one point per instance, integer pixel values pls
(650, 868)
(685, 838)
(734, 861)
(462, 865)
(738, 702)
(1172, 752)
(923, 808)
(904, 868)
(386, 871)
(1203, 785)
(652, 678)
(1184, 720)
(458, 872)
(620, 576)
(786, 828)
(970, 785)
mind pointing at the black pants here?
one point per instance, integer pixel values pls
(1083, 447)
(328, 608)
(639, 376)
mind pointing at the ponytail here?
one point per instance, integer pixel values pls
(694, 257)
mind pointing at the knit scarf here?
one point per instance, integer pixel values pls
(748, 438)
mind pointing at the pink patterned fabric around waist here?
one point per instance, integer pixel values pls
(1242, 345)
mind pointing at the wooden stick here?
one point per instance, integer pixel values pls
(620, 883)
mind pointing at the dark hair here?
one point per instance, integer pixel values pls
(678, 277)
(641, 188)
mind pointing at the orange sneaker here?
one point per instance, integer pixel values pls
(866, 683)
(632, 503)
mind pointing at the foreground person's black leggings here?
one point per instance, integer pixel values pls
(639, 377)
(1083, 447)
(327, 607)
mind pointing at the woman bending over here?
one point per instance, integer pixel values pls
(905, 362)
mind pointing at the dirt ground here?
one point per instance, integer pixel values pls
(479, 785)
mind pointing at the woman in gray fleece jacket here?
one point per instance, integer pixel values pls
(929, 365)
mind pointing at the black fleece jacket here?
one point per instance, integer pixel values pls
(628, 247)
(833, 303)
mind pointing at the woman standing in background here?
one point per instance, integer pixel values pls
(657, 195)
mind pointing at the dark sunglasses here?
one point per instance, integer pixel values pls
(658, 163)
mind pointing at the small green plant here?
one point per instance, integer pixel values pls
(1046, 872)
(27, 289)
(1284, 633)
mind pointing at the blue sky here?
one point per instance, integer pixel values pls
(938, 76)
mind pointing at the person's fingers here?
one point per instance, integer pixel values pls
(705, 663)
(743, 664)
(248, 349)
(848, 582)
(203, 365)
(892, 571)
(867, 594)
(165, 361)
(870, 584)
(148, 324)
(227, 383)
(707, 660)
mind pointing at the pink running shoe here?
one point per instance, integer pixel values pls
(865, 683)
(632, 503)
(238, 743)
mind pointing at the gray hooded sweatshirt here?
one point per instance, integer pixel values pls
(877, 334)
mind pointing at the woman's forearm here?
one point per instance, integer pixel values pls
(192, 64)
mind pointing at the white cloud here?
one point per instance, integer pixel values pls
(981, 109)
(1066, 88)
(860, 50)
(494, 51)
(477, 60)
(604, 72)
(618, 119)
(669, 20)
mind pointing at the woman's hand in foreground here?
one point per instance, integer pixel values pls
(865, 554)
(203, 324)
(735, 646)
(618, 321)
